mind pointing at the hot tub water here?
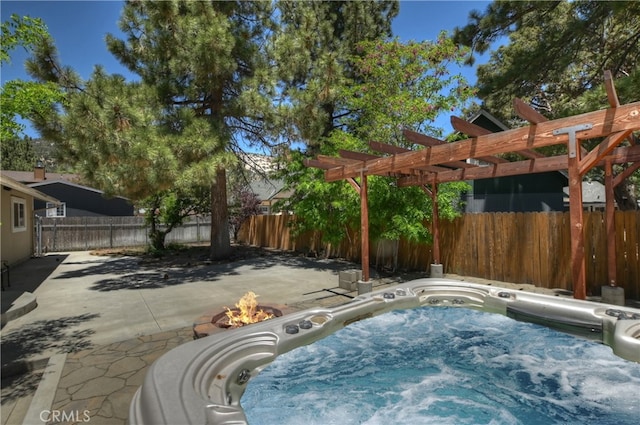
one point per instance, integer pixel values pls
(446, 366)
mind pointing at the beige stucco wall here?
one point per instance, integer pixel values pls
(16, 246)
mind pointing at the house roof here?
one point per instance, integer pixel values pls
(267, 189)
(28, 177)
(481, 117)
(16, 185)
(68, 183)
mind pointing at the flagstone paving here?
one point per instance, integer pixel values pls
(97, 385)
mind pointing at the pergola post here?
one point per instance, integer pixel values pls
(434, 221)
(610, 223)
(576, 220)
(364, 227)
(611, 293)
(436, 266)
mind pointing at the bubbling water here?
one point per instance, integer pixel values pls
(446, 366)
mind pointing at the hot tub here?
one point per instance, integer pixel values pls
(203, 381)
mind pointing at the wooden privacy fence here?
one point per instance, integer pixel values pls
(83, 233)
(530, 248)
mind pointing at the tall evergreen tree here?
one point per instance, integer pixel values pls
(119, 137)
(204, 57)
(17, 154)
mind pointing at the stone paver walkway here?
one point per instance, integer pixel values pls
(97, 386)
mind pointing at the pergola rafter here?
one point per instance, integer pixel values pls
(438, 162)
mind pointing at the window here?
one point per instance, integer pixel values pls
(56, 210)
(18, 214)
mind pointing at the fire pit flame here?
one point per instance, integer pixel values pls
(246, 312)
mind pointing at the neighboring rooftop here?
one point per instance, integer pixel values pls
(38, 175)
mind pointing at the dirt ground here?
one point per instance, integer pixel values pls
(190, 255)
(185, 255)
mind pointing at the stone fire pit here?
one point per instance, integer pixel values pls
(246, 312)
(210, 323)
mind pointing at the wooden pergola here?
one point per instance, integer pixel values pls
(438, 162)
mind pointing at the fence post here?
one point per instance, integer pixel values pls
(111, 233)
(55, 234)
(86, 236)
(38, 236)
(197, 229)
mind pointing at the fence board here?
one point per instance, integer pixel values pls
(621, 255)
(84, 233)
(514, 247)
(632, 253)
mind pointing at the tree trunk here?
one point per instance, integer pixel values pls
(157, 238)
(220, 243)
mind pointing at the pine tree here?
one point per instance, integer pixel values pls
(204, 57)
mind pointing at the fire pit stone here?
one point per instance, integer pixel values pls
(246, 312)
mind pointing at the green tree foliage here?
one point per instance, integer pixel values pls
(314, 44)
(402, 85)
(21, 99)
(555, 59)
(396, 85)
(17, 154)
(20, 31)
(556, 51)
(119, 137)
(165, 210)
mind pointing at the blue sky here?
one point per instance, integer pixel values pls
(79, 28)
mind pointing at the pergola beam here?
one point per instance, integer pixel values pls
(318, 164)
(357, 155)
(602, 150)
(474, 130)
(605, 122)
(337, 160)
(526, 112)
(424, 140)
(541, 165)
(386, 148)
(383, 147)
(529, 166)
(626, 173)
